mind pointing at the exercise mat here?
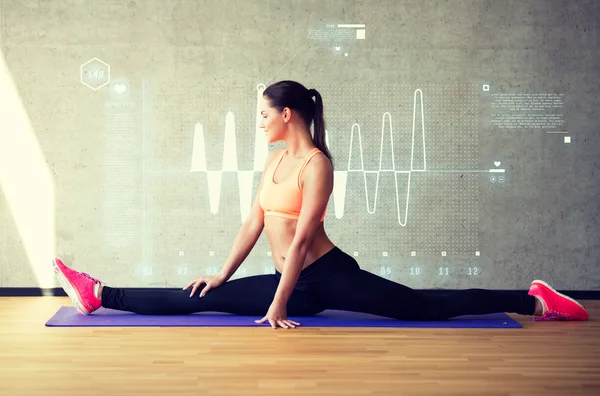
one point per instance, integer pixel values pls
(103, 317)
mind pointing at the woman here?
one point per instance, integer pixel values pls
(312, 274)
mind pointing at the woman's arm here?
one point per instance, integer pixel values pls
(318, 185)
(242, 246)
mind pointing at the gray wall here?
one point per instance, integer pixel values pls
(121, 180)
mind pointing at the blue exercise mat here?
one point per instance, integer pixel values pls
(103, 317)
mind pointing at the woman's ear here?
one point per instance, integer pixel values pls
(287, 114)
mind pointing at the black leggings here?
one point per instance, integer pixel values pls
(334, 281)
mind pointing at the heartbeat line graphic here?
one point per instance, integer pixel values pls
(246, 177)
(340, 177)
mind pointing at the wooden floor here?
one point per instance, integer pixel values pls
(542, 358)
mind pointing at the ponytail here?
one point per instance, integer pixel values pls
(295, 96)
(319, 125)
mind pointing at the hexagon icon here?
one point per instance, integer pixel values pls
(95, 74)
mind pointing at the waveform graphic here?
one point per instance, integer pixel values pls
(246, 177)
(341, 177)
(230, 164)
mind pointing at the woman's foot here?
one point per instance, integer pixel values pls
(556, 306)
(83, 290)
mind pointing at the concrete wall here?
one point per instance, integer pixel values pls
(464, 134)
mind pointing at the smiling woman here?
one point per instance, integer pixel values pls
(292, 95)
(312, 273)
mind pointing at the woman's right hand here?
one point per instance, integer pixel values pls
(212, 282)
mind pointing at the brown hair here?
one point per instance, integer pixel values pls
(295, 96)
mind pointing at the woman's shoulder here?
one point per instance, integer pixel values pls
(319, 168)
(321, 161)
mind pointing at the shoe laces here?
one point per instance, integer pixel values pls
(87, 276)
(555, 315)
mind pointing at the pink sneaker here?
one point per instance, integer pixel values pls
(79, 286)
(557, 305)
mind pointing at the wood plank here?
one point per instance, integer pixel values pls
(543, 358)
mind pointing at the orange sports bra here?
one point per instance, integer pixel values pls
(284, 199)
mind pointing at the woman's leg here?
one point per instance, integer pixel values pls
(245, 296)
(249, 296)
(353, 289)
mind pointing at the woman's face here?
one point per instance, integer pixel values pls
(272, 121)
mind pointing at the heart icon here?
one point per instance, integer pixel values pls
(338, 48)
(497, 163)
(120, 88)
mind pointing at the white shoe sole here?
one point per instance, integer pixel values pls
(68, 288)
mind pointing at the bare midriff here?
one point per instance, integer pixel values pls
(280, 233)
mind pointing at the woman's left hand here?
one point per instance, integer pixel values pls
(277, 316)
